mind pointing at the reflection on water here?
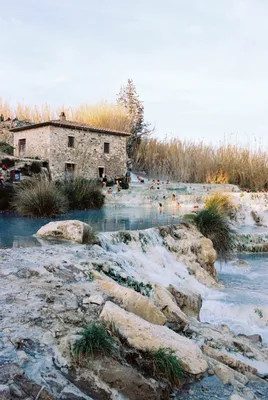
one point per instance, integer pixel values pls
(17, 231)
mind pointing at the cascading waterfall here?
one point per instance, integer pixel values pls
(142, 255)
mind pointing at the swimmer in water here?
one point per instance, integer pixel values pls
(160, 207)
(173, 197)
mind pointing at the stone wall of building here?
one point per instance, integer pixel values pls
(37, 142)
(87, 155)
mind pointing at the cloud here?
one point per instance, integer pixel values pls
(200, 66)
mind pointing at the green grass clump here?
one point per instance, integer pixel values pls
(215, 227)
(221, 201)
(82, 193)
(6, 148)
(95, 340)
(39, 198)
(164, 364)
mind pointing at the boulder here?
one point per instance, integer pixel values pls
(189, 302)
(132, 301)
(163, 299)
(226, 374)
(253, 338)
(233, 363)
(72, 230)
(143, 335)
(236, 397)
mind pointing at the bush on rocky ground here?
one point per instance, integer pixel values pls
(222, 203)
(8, 162)
(162, 363)
(39, 198)
(35, 167)
(6, 148)
(95, 340)
(82, 193)
(6, 195)
(215, 227)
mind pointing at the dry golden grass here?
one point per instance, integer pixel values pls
(221, 202)
(102, 114)
(188, 161)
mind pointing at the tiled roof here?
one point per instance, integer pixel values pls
(70, 125)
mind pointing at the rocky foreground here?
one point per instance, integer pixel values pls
(48, 294)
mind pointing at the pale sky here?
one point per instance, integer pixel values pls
(200, 66)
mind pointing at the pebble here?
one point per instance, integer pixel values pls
(48, 338)
(22, 355)
(97, 299)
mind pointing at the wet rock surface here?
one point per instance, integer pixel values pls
(48, 294)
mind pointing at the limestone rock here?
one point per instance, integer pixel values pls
(133, 302)
(236, 397)
(192, 248)
(253, 338)
(97, 299)
(4, 392)
(165, 302)
(128, 381)
(143, 335)
(189, 302)
(228, 360)
(68, 230)
(225, 374)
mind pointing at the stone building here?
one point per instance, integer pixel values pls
(73, 148)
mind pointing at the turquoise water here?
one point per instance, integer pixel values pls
(244, 297)
(17, 231)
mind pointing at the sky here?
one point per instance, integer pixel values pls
(200, 66)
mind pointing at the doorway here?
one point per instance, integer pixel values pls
(101, 172)
(22, 147)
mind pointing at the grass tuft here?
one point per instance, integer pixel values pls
(39, 198)
(215, 227)
(95, 340)
(164, 364)
(82, 193)
(89, 236)
(222, 203)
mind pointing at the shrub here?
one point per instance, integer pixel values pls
(124, 184)
(164, 364)
(6, 195)
(89, 236)
(8, 162)
(256, 217)
(95, 340)
(35, 167)
(39, 198)
(215, 227)
(6, 148)
(82, 193)
(222, 203)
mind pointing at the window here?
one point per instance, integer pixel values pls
(70, 141)
(70, 170)
(106, 148)
(22, 147)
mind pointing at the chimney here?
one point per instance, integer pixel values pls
(62, 116)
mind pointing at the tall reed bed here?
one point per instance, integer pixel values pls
(104, 115)
(188, 161)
